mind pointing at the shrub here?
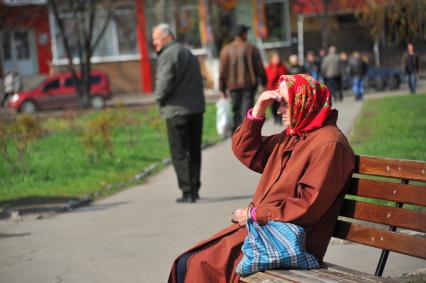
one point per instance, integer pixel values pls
(15, 139)
(97, 135)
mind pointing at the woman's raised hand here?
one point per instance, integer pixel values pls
(264, 101)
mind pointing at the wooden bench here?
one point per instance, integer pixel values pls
(396, 181)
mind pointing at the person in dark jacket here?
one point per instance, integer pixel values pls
(411, 65)
(180, 94)
(358, 70)
(240, 69)
(294, 66)
(312, 66)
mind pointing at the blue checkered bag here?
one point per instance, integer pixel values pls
(276, 245)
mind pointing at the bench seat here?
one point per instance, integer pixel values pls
(373, 210)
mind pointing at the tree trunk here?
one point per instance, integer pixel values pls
(84, 13)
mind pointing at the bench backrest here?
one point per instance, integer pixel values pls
(388, 226)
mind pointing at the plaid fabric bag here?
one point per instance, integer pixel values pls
(276, 245)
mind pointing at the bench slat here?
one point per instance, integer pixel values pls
(260, 277)
(351, 272)
(345, 277)
(331, 274)
(292, 277)
(307, 276)
(382, 214)
(397, 242)
(388, 191)
(395, 168)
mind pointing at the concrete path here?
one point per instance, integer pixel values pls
(134, 235)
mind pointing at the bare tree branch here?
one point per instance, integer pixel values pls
(89, 36)
(60, 23)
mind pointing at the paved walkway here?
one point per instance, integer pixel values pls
(134, 235)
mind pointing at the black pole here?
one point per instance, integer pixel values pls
(385, 253)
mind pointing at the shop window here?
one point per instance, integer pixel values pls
(22, 45)
(183, 16)
(7, 48)
(277, 19)
(118, 40)
(187, 24)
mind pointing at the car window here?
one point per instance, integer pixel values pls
(95, 80)
(70, 82)
(51, 86)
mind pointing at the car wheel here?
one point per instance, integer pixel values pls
(98, 102)
(28, 107)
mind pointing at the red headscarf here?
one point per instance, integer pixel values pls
(309, 103)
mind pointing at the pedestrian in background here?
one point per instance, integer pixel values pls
(331, 72)
(320, 59)
(311, 65)
(411, 64)
(180, 94)
(11, 85)
(345, 71)
(241, 68)
(274, 71)
(358, 70)
(294, 66)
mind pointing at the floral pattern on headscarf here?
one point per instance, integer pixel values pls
(309, 103)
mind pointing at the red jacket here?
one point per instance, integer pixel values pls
(273, 73)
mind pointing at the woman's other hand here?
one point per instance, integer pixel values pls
(264, 101)
(240, 216)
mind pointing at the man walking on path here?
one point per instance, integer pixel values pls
(411, 64)
(240, 68)
(357, 69)
(180, 95)
(331, 72)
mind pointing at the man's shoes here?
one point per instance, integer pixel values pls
(196, 196)
(186, 199)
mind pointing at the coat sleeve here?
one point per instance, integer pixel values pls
(250, 147)
(223, 69)
(260, 70)
(164, 79)
(324, 179)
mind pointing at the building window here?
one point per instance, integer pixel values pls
(119, 39)
(277, 19)
(183, 16)
(187, 23)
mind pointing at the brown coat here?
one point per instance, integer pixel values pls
(303, 182)
(240, 66)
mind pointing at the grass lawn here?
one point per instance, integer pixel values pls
(392, 127)
(59, 166)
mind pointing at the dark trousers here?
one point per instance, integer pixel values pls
(184, 134)
(335, 87)
(5, 98)
(274, 109)
(412, 82)
(242, 101)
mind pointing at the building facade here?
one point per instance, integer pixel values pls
(30, 41)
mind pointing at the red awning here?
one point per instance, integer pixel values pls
(317, 7)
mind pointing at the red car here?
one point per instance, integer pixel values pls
(59, 91)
